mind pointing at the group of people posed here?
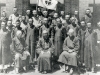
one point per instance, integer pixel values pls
(56, 41)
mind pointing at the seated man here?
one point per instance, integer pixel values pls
(45, 47)
(20, 52)
(70, 49)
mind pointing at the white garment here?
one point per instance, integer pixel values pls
(14, 19)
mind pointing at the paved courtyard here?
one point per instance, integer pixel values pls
(58, 72)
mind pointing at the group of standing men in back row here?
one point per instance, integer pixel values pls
(54, 41)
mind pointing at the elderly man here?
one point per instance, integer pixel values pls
(14, 17)
(45, 46)
(70, 50)
(20, 51)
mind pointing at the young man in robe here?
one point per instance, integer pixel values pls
(70, 49)
(45, 46)
(31, 41)
(81, 35)
(90, 48)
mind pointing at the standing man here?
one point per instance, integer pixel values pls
(28, 15)
(90, 48)
(5, 54)
(14, 17)
(36, 19)
(31, 39)
(88, 16)
(60, 34)
(81, 35)
(62, 16)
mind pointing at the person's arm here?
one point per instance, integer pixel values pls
(77, 45)
(39, 47)
(65, 47)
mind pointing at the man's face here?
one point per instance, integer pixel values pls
(73, 20)
(28, 12)
(30, 21)
(67, 17)
(83, 24)
(3, 25)
(55, 15)
(98, 25)
(76, 13)
(89, 26)
(15, 10)
(45, 13)
(45, 36)
(62, 13)
(88, 11)
(23, 18)
(34, 12)
(45, 21)
(17, 24)
(9, 23)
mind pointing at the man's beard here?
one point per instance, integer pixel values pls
(46, 38)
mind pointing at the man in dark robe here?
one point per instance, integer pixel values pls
(45, 26)
(45, 46)
(89, 48)
(70, 49)
(31, 39)
(81, 35)
(60, 34)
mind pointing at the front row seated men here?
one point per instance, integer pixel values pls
(45, 49)
(70, 49)
(20, 51)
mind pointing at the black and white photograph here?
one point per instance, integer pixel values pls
(49, 37)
